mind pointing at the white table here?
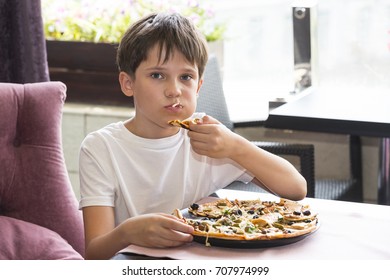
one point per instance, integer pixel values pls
(348, 231)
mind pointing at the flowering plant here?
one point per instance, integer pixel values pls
(106, 21)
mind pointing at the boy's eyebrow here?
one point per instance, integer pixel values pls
(155, 68)
(159, 68)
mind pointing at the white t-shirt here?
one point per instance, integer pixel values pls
(137, 175)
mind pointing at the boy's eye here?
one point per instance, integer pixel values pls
(186, 77)
(156, 76)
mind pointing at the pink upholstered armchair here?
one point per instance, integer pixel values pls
(39, 216)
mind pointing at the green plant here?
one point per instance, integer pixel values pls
(106, 21)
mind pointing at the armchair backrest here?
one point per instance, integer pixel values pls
(34, 183)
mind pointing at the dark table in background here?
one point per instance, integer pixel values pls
(344, 112)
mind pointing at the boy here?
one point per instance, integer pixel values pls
(134, 173)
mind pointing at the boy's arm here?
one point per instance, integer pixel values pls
(103, 240)
(276, 174)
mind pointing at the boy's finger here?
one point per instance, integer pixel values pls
(209, 120)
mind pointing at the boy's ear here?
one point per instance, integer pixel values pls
(199, 86)
(126, 82)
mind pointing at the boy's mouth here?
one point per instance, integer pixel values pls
(177, 105)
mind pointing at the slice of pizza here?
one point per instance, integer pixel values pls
(183, 124)
(195, 118)
(215, 209)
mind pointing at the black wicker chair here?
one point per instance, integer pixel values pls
(212, 101)
(350, 189)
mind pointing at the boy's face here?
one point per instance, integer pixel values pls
(162, 92)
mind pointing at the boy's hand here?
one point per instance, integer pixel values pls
(157, 230)
(211, 138)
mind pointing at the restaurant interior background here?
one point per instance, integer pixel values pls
(353, 58)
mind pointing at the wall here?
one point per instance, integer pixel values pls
(331, 150)
(78, 121)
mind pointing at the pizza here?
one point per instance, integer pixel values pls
(184, 124)
(250, 219)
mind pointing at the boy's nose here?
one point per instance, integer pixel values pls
(172, 89)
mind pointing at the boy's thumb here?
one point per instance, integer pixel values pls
(208, 120)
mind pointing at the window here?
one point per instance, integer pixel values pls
(353, 46)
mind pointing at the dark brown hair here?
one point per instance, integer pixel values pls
(170, 31)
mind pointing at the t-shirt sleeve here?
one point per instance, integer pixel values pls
(246, 177)
(97, 179)
(227, 171)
